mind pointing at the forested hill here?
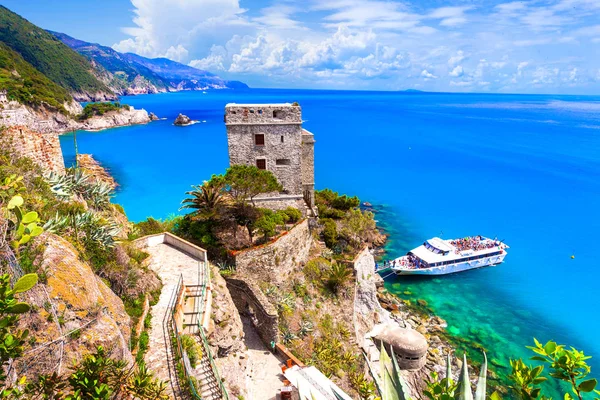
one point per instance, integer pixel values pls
(26, 84)
(132, 73)
(51, 57)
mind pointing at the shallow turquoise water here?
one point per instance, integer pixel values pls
(523, 168)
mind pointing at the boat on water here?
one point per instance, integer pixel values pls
(440, 257)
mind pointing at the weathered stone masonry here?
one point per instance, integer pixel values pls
(271, 137)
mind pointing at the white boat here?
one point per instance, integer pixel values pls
(440, 257)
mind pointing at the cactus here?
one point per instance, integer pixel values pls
(25, 226)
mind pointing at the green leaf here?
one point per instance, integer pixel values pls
(16, 201)
(36, 231)
(24, 239)
(19, 308)
(25, 283)
(30, 217)
(538, 358)
(587, 386)
(482, 382)
(550, 347)
(464, 386)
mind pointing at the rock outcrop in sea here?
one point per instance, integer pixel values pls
(183, 120)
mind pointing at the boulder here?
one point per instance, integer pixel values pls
(182, 120)
(81, 300)
(153, 117)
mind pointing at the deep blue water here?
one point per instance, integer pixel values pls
(522, 168)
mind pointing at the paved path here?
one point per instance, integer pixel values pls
(169, 263)
(263, 376)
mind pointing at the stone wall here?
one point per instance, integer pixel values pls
(268, 114)
(42, 148)
(308, 165)
(281, 151)
(250, 301)
(275, 261)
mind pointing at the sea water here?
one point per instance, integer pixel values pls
(521, 168)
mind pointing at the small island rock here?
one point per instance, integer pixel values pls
(183, 120)
(153, 117)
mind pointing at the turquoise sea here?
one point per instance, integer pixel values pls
(523, 168)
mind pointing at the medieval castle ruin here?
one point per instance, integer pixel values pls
(271, 137)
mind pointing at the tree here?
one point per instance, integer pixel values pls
(207, 199)
(247, 181)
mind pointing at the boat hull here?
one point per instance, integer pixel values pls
(452, 268)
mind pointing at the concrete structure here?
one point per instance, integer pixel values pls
(271, 137)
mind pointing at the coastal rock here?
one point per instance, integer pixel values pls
(73, 299)
(97, 172)
(227, 334)
(123, 117)
(183, 120)
(153, 117)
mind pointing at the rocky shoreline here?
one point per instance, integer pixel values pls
(44, 120)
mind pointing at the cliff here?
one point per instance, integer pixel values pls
(73, 309)
(45, 120)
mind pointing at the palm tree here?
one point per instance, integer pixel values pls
(207, 199)
(337, 277)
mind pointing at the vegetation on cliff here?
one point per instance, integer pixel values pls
(93, 109)
(49, 55)
(78, 209)
(27, 85)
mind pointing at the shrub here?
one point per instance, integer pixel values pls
(314, 269)
(294, 215)
(337, 277)
(93, 109)
(192, 349)
(330, 234)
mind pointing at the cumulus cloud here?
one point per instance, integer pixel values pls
(428, 75)
(376, 44)
(457, 71)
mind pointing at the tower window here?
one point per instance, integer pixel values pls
(283, 161)
(260, 111)
(261, 163)
(278, 114)
(259, 139)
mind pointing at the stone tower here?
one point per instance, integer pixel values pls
(271, 137)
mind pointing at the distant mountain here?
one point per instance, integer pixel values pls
(132, 74)
(52, 58)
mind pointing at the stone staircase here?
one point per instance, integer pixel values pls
(210, 388)
(209, 384)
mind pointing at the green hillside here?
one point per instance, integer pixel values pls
(26, 84)
(49, 55)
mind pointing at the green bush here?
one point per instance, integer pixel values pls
(93, 109)
(294, 215)
(192, 348)
(314, 269)
(330, 234)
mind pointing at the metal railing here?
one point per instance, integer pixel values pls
(203, 283)
(181, 356)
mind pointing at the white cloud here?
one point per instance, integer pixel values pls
(450, 16)
(457, 71)
(377, 44)
(455, 59)
(428, 75)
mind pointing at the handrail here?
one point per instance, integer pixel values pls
(180, 350)
(205, 283)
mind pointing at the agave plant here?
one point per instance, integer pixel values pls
(461, 390)
(306, 327)
(288, 336)
(57, 224)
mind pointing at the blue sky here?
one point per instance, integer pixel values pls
(537, 46)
